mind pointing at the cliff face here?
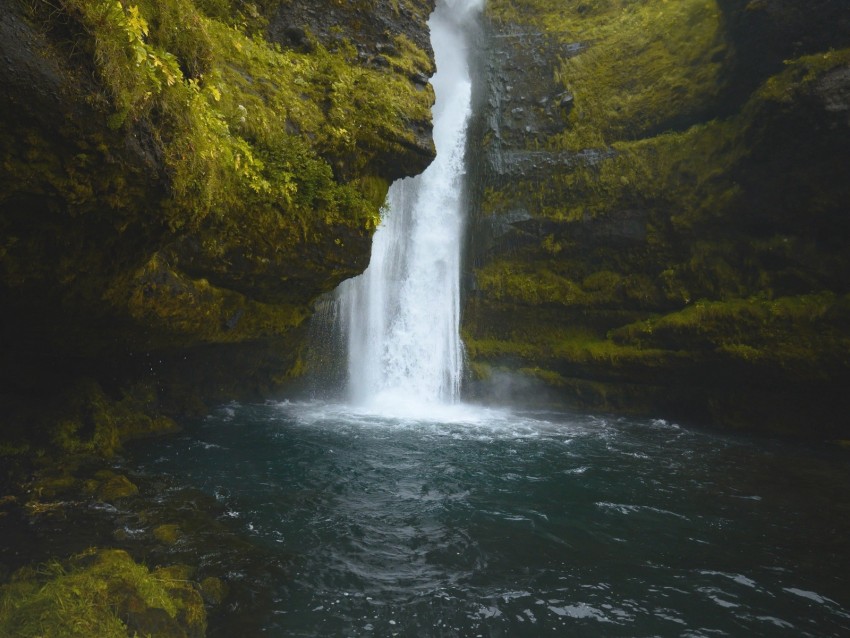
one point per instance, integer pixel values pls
(180, 179)
(660, 216)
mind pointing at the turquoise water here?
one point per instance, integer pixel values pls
(491, 523)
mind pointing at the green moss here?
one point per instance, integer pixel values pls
(167, 534)
(173, 304)
(549, 377)
(191, 185)
(213, 590)
(94, 431)
(54, 485)
(194, 184)
(223, 102)
(695, 214)
(541, 282)
(100, 593)
(789, 331)
(85, 180)
(113, 487)
(682, 171)
(664, 184)
(554, 345)
(88, 421)
(526, 283)
(409, 58)
(803, 336)
(643, 64)
(14, 448)
(478, 370)
(799, 74)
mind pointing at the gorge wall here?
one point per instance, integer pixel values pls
(180, 180)
(660, 218)
(659, 195)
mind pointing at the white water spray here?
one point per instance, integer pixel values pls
(402, 315)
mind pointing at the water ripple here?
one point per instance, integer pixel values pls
(529, 524)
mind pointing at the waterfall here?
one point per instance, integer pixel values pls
(402, 315)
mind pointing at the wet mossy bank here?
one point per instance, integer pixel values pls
(170, 561)
(102, 593)
(660, 217)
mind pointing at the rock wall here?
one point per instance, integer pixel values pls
(660, 218)
(660, 210)
(180, 179)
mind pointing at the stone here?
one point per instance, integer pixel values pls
(115, 487)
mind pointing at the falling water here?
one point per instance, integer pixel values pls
(402, 315)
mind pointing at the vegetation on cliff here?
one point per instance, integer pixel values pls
(655, 194)
(240, 121)
(181, 176)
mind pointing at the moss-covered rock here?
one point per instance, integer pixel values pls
(663, 181)
(213, 590)
(100, 593)
(114, 487)
(180, 179)
(167, 533)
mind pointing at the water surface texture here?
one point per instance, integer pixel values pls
(488, 523)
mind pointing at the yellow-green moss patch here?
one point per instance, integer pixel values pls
(114, 487)
(101, 593)
(233, 113)
(643, 63)
(167, 534)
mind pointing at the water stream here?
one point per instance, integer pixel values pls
(401, 317)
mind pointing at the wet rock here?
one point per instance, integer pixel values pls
(141, 619)
(213, 590)
(833, 89)
(168, 533)
(296, 38)
(352, 22)
(380, 61)
(386, 49)
(766, 33)
(114, 487)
